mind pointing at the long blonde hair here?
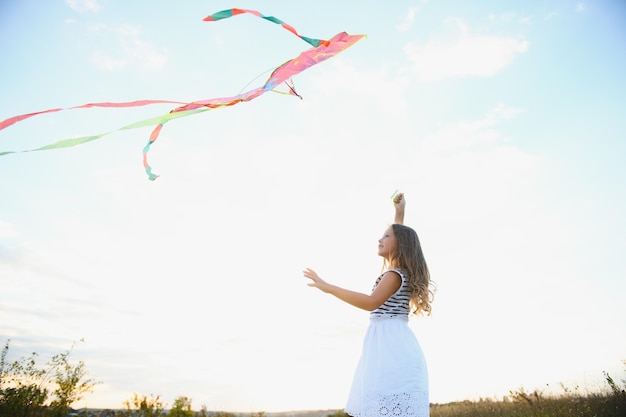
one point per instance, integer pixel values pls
(408, 257)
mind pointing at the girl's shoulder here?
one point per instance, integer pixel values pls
(398, 271)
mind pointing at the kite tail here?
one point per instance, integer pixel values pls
(321, 51)
(225, 14)
(137, 103)
(12, 120)
(153, 137)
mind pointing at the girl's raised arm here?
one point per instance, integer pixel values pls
(399, 203)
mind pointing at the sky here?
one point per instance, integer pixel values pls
(502, 122)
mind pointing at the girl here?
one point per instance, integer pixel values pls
(391, 378)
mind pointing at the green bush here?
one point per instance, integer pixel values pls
(29, 391)
(142, 406)
(181, 408)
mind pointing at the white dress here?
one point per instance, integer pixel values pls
(391, 379)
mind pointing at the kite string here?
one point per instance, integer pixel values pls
(292, 88)
(255, 78)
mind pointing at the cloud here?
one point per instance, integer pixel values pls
(22, 258)
(409, 18)
(510, 17)
(407, 23)
(470, 135)
(106, 62)
(7, 230)
(357, 89)
(464, 55)
(130, 50)
(84, 5)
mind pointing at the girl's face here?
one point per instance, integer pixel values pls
(387, 243)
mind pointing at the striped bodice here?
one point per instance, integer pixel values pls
(398, 303)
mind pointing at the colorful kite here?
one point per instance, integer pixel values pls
(321, 51)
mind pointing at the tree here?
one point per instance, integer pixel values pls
(70, 386)
(20, 394)
(25, 389)
(181, 408)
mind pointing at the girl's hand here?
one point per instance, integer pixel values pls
(399, 202)
(316, 281)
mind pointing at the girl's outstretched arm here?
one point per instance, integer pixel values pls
(399, 203)
(388, 285)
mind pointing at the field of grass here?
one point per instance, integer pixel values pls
(28, 390)
(589, 406)
(536, 405)
(610, 402)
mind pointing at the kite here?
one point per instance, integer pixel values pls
(321, 50)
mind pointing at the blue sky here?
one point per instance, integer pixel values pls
(502, 122)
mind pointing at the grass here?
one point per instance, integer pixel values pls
(609, 402)
(606, 401)
(521, 404)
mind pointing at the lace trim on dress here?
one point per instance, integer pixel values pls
(394, 405)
